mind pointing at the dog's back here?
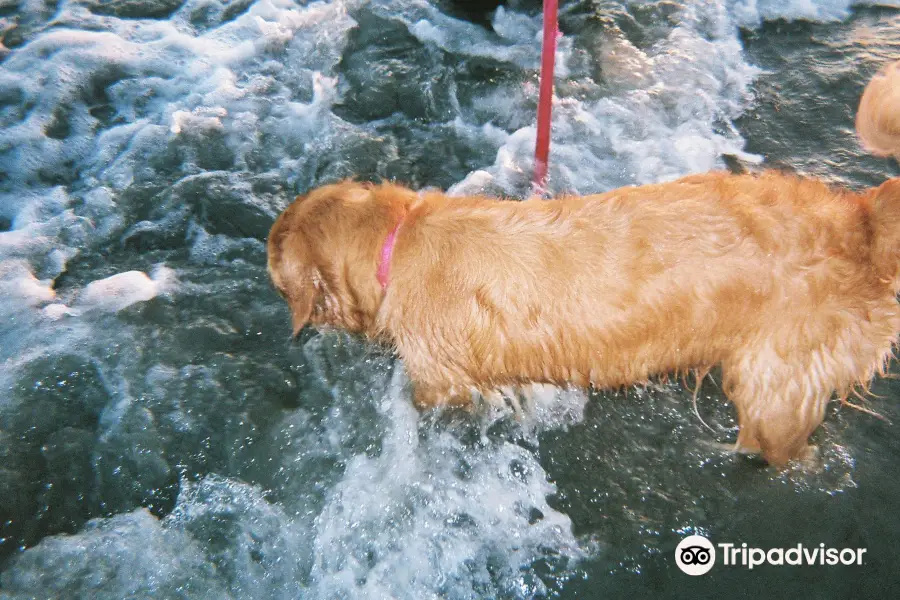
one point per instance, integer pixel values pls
(771, 276)
(685, 269)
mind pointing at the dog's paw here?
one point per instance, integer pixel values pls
(508, 397)
(808, 458)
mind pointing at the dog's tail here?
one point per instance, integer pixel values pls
(878, 128)
(878, 117)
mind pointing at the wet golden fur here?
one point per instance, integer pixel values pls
(786, 283)
(878, 117)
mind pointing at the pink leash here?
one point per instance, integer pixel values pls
(545, 98)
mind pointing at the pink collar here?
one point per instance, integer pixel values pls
(387, 250)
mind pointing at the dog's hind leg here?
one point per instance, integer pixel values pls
(748, 438)
(779, 403)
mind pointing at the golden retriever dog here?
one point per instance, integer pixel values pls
(786, 283)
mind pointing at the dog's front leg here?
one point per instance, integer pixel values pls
(427, 396)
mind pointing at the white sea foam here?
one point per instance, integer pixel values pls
(223, 540)
(751, 13)
(120, 291)
(19, 284)
(57, 311)
(428, 517)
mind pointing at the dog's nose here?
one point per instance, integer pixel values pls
(301, 337)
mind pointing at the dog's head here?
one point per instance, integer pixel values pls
(323, 252)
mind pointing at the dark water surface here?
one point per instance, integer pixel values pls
(160, 438)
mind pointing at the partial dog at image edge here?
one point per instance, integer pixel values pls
(878, 117)
(786, 283)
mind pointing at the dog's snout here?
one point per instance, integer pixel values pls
(303, 335)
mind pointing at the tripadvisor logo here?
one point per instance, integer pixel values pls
(696, 555)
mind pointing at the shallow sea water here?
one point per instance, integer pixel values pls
(159, 436)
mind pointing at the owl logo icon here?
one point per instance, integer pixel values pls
(695, 555)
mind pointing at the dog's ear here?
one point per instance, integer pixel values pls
(301, 300)
(293, 273)
(298, 278)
